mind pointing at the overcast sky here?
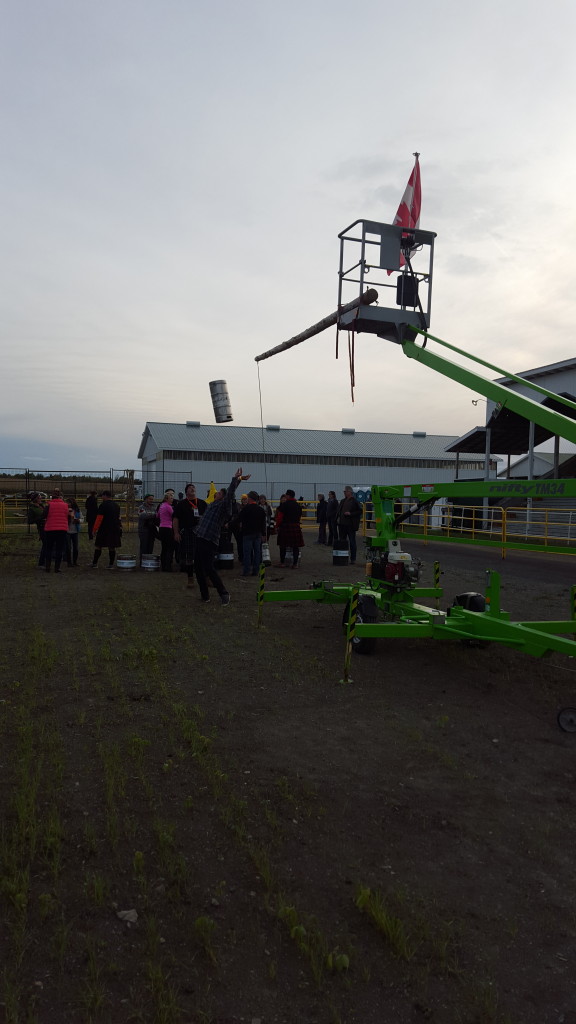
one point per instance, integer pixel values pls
(175, 175)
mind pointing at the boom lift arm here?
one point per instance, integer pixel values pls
(551, 420)
(387, 604)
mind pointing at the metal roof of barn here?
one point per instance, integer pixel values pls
(568, 463)
(292, 441)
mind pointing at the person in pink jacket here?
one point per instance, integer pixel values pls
(165, 513)
(56, 529)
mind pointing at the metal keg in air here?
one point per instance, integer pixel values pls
(221, 401)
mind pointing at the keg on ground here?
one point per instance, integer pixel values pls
(225, 556)
(126, 562)
(221, 401)
(340, 553)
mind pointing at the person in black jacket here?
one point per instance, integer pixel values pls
(331, 516)
(289, 533)
(187, 513)
(36, 516)
(349, 515)
(91, 506)
(264, 503)
(108, 530)
(234, 526)
(321, 517)
(252, 518)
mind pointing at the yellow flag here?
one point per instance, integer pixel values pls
(211, 492)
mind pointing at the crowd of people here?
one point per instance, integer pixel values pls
(58, 523)
(192, 531)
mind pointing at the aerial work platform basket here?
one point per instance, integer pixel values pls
(392, 257)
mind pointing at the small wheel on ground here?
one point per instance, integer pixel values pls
(566, 719)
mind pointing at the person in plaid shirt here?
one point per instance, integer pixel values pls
(208, 538)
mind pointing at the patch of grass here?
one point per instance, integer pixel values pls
(97, 888)
(309, 939)
(204, 930)
(61, 941)
(93, 992)
(47, 905)
(163, 994)
(52, 840)
(261, 859)
(372, 903)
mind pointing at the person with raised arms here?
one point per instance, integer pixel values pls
(208, 538)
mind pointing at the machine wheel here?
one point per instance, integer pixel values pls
(367, 612)
(566, 719)
(473, 602)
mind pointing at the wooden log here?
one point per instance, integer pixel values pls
(366, 299)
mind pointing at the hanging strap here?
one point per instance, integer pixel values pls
(351, 347)
(262, 429)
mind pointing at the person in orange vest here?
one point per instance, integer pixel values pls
(56, 529)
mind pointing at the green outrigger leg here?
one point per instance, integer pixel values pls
(405, 617)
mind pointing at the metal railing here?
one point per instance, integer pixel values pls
(547, 528)
(13, 514)
(511, 527)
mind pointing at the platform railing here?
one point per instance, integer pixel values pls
(538, 528)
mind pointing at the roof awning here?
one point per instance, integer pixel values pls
(510, 432)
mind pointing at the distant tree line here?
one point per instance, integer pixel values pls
(71, 483)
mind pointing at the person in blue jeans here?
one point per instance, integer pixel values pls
(252, 518)
(208, 538)
(349, 516)
(73, 531)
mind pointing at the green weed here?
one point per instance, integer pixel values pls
(261, 859)
(60, 941)
(47, 905)
(97, 888)
(90, 839)
(204, 929)
(93, 993)
(163, 994)
(306, 934)
(391, 927)
(52, 841)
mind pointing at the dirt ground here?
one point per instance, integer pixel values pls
(290, 850)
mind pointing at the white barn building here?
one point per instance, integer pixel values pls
(308, 461)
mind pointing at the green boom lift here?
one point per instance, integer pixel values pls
(389, 602)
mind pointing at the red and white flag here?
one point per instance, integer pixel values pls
(408, 215)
